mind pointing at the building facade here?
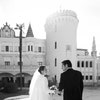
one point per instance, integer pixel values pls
(33, 54)
(86, 64)
(89, 65)
(60, 44)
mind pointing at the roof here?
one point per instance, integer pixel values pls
(82, 49)
(29, 32)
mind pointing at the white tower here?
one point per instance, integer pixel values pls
(61, 42)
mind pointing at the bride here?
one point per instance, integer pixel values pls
(39, 89)
(39, 85)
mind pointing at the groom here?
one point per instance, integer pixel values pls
(71, 82)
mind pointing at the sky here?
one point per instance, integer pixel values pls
(35, 12)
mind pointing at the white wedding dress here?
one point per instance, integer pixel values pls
(39, 88)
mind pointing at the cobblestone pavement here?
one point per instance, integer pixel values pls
(88, 94)
(91, 94)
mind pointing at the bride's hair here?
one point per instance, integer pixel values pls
(41, 68)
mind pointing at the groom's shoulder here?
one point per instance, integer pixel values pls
(63, 73)
(78, 72)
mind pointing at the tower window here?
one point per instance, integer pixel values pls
(55, 45)
(55, 61)
(68, 47)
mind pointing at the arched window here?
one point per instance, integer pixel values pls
(31, 48)
(28, 47)
(86, 77)
(86, 63)
(82, 63)
(7, 48)
(91, 63)
(90, 77)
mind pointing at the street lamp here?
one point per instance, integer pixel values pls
(20, 51)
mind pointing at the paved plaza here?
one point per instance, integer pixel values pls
(91, 94)
(88, 94)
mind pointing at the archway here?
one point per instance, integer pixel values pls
(26, 78)
(6, 77)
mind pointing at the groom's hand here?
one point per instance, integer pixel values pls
(59, 93)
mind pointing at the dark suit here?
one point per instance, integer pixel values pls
(71, 81)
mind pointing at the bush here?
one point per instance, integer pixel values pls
(1, 85)
(10, 88)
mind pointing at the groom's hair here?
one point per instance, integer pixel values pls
(68, 62)
(41, 68)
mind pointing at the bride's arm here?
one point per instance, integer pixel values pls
(46, 86)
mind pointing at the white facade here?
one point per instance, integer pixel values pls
(33, 53)
(87, 65)
(61, 41)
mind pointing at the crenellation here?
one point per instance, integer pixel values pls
(58, 18)
(63, 15)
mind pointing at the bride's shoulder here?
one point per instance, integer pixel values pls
(42, 77)
(45, 78)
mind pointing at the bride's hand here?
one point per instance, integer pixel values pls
(52, 92)
(56, 91)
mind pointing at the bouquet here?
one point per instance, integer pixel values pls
(53, 87)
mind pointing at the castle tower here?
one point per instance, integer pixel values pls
(61, 41)
(94, 52)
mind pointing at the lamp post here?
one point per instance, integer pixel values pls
(20, 51)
